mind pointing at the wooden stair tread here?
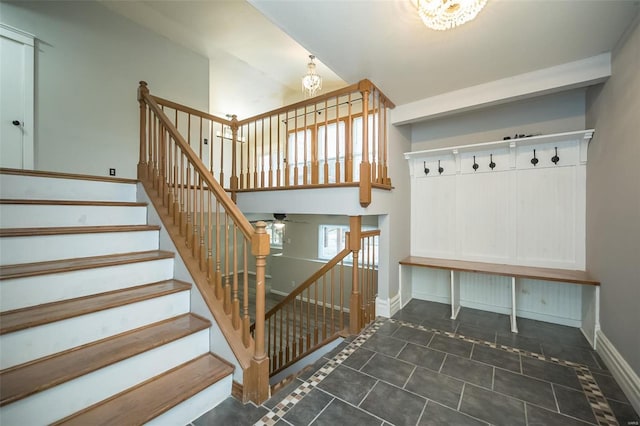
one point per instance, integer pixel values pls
(24, 380)
(61, 175)
(67, 265)
(73, 203)
(60, 230)
(142, 403)
(20, 319)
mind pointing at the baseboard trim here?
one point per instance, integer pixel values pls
(621, 370)
(387, 307)
(236, 390)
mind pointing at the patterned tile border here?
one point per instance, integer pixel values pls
(599, 405)
(601, 409)
(275, 414)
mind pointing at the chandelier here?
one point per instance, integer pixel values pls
(311, 82)
(447, 14)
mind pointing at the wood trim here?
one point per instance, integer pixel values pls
(60, 175)
(74, 203)
(29, 232)
(243, 354)
(237, 390)
(149, 399)
(220, 194)
(531, 272)
(27, 379)
(33, 316)
(68, 265)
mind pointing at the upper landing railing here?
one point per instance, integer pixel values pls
(318, 142)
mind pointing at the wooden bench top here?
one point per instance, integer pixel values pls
(532, 272)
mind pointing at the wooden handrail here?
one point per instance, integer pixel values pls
(229, 205)
(313, 278)
(208, 230)
(189, 110)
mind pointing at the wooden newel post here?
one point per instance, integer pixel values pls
(365, 165)
(257, 376)
(233, 183)
(142, 161)
(354, 246)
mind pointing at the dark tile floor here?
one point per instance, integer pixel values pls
(421, 368)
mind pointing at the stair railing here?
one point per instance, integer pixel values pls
(211, 234)
(328, 304)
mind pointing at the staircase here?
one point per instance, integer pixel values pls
(93, 327)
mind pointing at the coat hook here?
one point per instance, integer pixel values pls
(492, 165)
(440, 169)
(426, 170)
(555, 158)
(534, 160)
(475, 165)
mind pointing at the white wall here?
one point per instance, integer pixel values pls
(613, 198)
(561, 112)
(88, 65)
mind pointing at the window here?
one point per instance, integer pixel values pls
(332, 240)
(299, 151)
(276, 234)
(335, 142)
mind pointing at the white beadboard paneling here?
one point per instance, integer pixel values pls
(560, 303)
(431, 284)
(433, 217)
(491, 292)
(483, 215)
(546, 211)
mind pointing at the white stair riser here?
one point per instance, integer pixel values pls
(30, 291)
(195, 406)
(46, 407)
(36, 342)
(50, 215)
(45, 188)
(42, 248)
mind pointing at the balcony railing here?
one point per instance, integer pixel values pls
(315, 143)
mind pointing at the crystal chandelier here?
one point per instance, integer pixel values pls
(311, 82)
(447, 14)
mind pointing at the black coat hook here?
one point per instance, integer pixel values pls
(475, 165)
(492, 165)
(555, 158)
(426, 170)
(440, 169)
(534, 160)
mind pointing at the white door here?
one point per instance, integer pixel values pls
(16, 99)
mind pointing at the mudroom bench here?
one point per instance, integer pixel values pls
(515, 272)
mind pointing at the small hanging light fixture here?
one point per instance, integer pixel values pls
(447, 14)
(311, 82)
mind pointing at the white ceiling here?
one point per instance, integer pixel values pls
(384, 40)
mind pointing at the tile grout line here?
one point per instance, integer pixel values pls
(289, 401)
(599, 405)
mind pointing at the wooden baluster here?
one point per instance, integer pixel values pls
(348, 148)
(255, 154)
(278, 151)
(308, 324)
(315, 317)
(332, 284)
(338, 140)
(325, 168)
(221, 174)
(210, 266)
(315, 165)
(188, 210)
(246, 320)
(287, 172)
(305, 151)
(218, 276)
(262, 165)
(324, 306)
(227, 277)
(295, 151)
(280, 332)
(341, 295)
(290, 306)
(270, 142)
(236, 301)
